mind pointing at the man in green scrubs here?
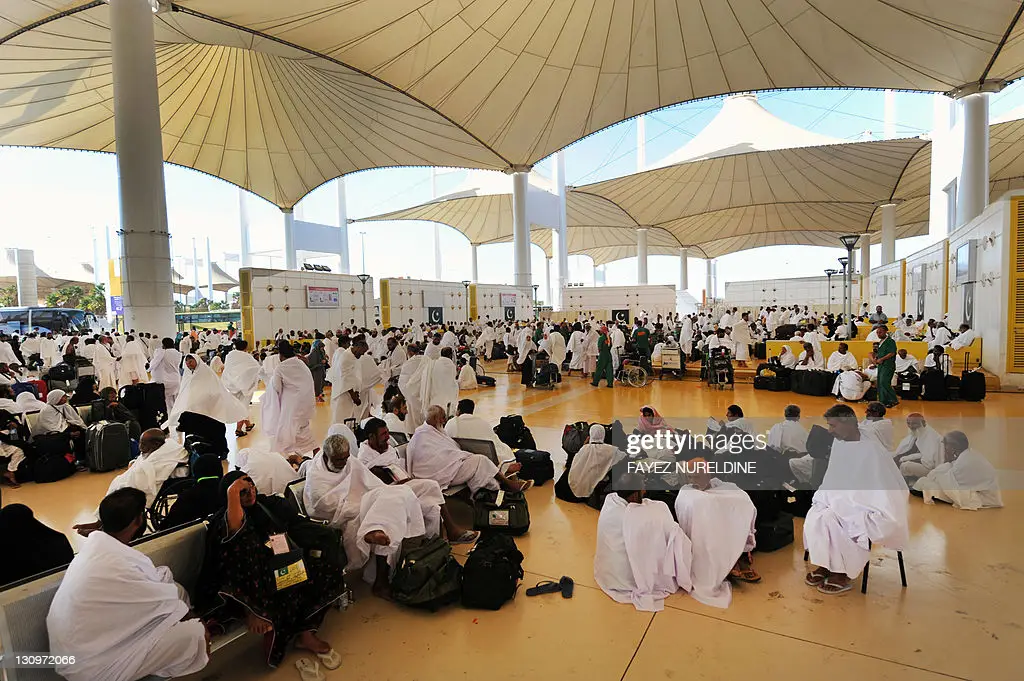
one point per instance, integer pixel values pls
(886, 360)
(604, 358)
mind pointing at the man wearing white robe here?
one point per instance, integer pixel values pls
(558, 350)
(862, 499)
(164, 368)
(592, 463)
(116, 614)
(841, 359)
(288, 405)
(395, 357)
(741, 339)
(373, 517)
(966, 479)
(448, 339)
(920, 452)
(202, 392)
(440, 382)
(963, 340)
(905, 362)
(432, 350)
(369, 377)
(396, 416)
(642, 555)
(876, 426)
(577, 347)
(49, 352)
(485, 343)
(240, 377)
(809, 359)
(851, 385)
(346, 382)
(410, 383)
(270, 471)
(467, 376)
(105, 366)
(433, 454)
(466, 424)
(942, 336)
(132, 366)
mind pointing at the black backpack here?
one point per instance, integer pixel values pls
(536, 466)
(511, 516)
(513, 431)
(428, 576)
(492, 572)
(573, 437)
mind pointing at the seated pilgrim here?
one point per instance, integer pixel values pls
(851, 385)
(590, 465)
(373, 517)
(642, 555)
(30, 547)
(270, 471)
(159, 459)
(809, 359)
(118, 615)
(920, 451)
(254, 544)
(434, 455)
(377, 454)
(905, 362)
(790, 438)
(862, 499)
(841, 359)
(395, 416)
(734, 423)
(60, 417)
(718, 517)
(966, 479)
(787, 358)
(876, 426)
(468, 425)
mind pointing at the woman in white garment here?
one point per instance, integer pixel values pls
(60, 417)
(576, 347)
(165, 368)
(590, 351)
(288, 405)
(591, 464)
(133, 362)
(202, 393)
(241, 376)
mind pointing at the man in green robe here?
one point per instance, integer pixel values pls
(604, 358)
(886, 360)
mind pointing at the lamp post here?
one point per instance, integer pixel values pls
(828, 273)
(850, 242)
(842, 271)
(363, 278)
(465, 285)
(362, 247)
(536, 312)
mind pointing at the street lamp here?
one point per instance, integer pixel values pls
(362, 247)
(849, 241)
(842, 270)
(828, 273)
(363, 278)
(465, 285)
(536, 312)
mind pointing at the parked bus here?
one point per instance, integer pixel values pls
(47, 319)
(217, 319)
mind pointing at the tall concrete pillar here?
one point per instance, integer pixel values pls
(145, 242)
(865, 271)
(684, 269)
(972, 187)
(888, 233)
(476, 268)
(641, 256)
(243, 228)
(709, 288)
(28, 285)
(562, 232)
(521, 226)
(290, 256)
(344, 263)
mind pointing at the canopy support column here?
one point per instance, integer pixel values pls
(476, 275)
(344, 263)
(243, 229)
(521, 225)
(972, 187)
(562, 233)
(684, 269)
(888, 233)
(290, 257)
(641, 256)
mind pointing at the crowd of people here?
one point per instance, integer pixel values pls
(381, 474)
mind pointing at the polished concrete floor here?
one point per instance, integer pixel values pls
(962, 615)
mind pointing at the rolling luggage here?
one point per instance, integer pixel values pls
(54, 459)
(107, 446)
(813, 382)
(61, 372)
(760, 351)
(933, 386)
(972, 383)
(908, 386)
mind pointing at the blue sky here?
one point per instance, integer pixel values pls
(54, 200)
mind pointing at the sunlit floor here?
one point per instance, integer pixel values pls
(960, 617)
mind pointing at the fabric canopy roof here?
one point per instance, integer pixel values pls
(280, 96)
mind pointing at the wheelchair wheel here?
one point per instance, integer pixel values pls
(636, 376)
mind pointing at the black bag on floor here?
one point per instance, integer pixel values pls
(513, 431)
(972, 386)
(772, 535)
(952, 387)
(536, 466)
(492, 572)
(760, 351)
(54, 459)
(510, 516)
(486, 381)
(427, 576)
(813, 382)
(498, 352)
(908, 386)
(61, 372)
(107, 446)
(785, 331)
(574, 435)
(933, 386)
(777, 383)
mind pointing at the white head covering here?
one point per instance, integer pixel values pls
(201, 392)
(28, 402)
(596, 433)
(54, 397)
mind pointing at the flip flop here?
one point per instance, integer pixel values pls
(831, 589)
(545, 587)
(814, 579)
(467, 537)
(331, 659)
(309, 670)
(566, 585)
(747, 575)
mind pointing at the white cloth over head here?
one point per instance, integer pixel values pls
(270, 471)
(434, 455)
(201, 392)
(969, 483)
(288, 406)
(241, 375)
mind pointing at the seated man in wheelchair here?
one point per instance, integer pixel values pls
(545, 371)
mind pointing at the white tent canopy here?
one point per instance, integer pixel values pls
(279, 97)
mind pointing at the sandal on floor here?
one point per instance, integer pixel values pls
(467, 537)
(331, 659)
(309, 670)
(527, 484)
(239, 432)
(832, 589)
(747, 575)
(566, 585)
(815, 579)
(545, 587)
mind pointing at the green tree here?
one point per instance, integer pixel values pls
(9, 296)
(217, 305)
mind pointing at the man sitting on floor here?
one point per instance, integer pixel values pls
(467, 424)
(920, 451)
(862, 499)
(718, 517)
(851, 385)
(642, 555)
(377, 454)
(789, 438)
(433, 454)
(116, 615)
(876, 426)
(966, 479)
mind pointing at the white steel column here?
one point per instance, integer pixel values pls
(865, 271)
(209, 271)
(709, 291)
(290, 258)
(195, 272)
(437, 228)
(641, 144)
(521, 226)
(890, 115)
(344, 263)
(972, 187)
(145, 242)
(888, 233)
(550, 297)
(476, 270)
(684, 269)
(243, 228)
(641, 256)
(26, 278)
(562, 232)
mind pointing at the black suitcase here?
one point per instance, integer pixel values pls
(813, 382)
(933, 386)
(785, 332)
(760, 351)
(952, 387)
(61, 372)
(511, 516)
(498, 352)
(774, 534)
(54, 459)
(107, 447)
(908, 386)
(972, 382)
(536, 466)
